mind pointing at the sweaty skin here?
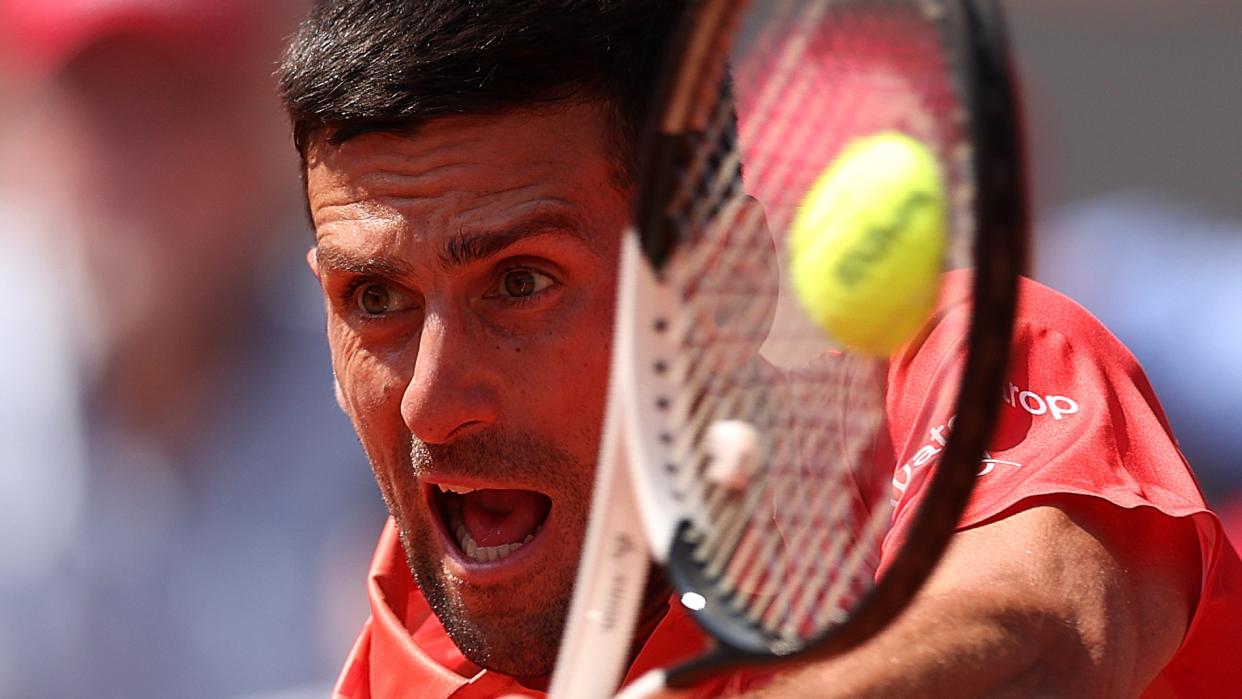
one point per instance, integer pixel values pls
(468, 269)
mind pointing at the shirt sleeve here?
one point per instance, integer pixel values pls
(1077, 417)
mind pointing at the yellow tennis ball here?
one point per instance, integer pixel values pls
(866, 246)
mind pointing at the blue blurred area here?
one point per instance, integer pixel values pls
(1136, 155)
(1166, 278)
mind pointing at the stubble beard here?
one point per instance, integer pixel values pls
(514, 630)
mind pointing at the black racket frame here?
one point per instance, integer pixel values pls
(695, 67)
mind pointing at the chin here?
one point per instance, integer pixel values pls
(492, 527)
(512, 630)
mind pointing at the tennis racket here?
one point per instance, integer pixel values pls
(746, 448)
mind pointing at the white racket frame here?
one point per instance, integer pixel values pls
(625, 531)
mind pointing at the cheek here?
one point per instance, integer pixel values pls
(370, 389)
(573, 377)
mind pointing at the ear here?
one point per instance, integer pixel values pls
(312, 259)
(340, 395)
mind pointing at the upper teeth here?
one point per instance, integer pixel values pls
(459, 489)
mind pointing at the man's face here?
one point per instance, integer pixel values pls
(469, 275)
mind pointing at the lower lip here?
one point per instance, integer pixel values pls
(518, 563)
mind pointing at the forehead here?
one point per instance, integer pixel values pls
(470, 165)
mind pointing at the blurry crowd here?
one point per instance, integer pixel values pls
(1131, 116)
(184, 511)
(1165, 276)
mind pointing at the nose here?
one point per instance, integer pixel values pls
(452, 391)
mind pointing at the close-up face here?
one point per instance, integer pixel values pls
(468, 269)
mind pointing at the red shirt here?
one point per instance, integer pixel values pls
(1078, 419)
(404, 653)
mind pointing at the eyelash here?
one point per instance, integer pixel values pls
(523, 301)
(348, 298)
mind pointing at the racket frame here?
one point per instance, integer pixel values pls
(630, 519)
(1000, 212)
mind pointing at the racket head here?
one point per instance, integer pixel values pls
(776, 552)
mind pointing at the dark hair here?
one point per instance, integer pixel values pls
(359, 66)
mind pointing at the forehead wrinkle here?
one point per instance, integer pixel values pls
(548, 202)
(359, 214)
(381, 161)
(397, 201)
(449, 179)
(394, 189)
(398, 182)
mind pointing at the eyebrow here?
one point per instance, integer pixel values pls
(466, 248)
(338, 260)
(457, 251)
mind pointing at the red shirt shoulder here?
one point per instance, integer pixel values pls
(1076, 413)
(1078, 418)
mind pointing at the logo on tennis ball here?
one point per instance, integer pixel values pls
(867, 244)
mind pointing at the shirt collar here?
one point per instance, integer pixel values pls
(404, 651)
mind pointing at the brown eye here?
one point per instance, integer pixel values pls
(374, 299)
(520, 282)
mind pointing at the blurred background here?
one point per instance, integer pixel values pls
(183, 510)
(1136, 153)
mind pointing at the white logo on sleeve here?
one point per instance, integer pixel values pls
(937, 439)
(989, 464)
(1059, 407)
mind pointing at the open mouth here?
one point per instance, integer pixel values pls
(490, 524)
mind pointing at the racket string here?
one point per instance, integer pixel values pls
(730, 521)
(793, 550)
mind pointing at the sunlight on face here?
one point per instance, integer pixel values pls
(469, 276)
